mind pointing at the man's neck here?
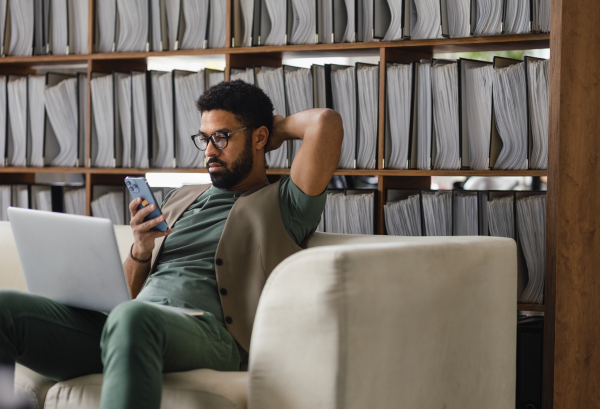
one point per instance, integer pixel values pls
(255, 177)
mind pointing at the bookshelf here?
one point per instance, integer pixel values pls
(572, 292)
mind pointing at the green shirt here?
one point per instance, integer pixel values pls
(185, 272)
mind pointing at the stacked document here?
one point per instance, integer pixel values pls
(242, 22)
(403, 218)
(103, 121)
(445, 143)
(193, 24)
(141, 131)
(537, 77)
(398, 103)
(273, 20)
(3, 120)
(425, 19)
(21, 28)
(216, 27)
(68, 26)
(132, 25)
(62, 102)
(163, 136)
(343, 90)
(501, 217)
(466, 214)
(510, 116)
(36, 85)
(125, 112)
(388, 17)
(458, 23)
(110, 206)
(421, 128)
(13, 195)
(367, 88)
(531, 224)
(351, 213)
(74, 201)
(41, 198)
(364, 21)
(271, 81)
(541, 16)
(188, 87)
(5, 201)
(16, 148)
(344, 17)
(475, 95)
(437, 213)
(299, 95)
(303, 16)
(517, 19)
(244, 74)
(486, 17)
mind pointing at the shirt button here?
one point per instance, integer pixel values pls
(228, 320)
(219, 262)
(223, 291)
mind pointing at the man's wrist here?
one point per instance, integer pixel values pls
(138, 255)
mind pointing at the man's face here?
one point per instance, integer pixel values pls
(227, 167)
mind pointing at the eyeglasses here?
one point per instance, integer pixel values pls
(219, 140)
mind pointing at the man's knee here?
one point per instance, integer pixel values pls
(131, 323)
(13, 300)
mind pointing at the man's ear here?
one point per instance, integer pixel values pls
(261, 136)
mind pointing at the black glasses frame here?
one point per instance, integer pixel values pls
(201, 142)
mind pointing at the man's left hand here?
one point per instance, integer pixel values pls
(277, 136)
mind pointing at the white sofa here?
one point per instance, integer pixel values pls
(355, 322)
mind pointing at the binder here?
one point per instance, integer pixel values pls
(420, 80)
(406, 24)
(530, 142)
(41, 24)
(462, 103)
(105, 15)
(344, 21)
(445, 27)
(124, 118)
(390, 139)
(163, 122)
(145, 18)
(446, 226)
(3, 120)
(339, 213)
(193, 41)
(243, 20)
(52, 147)
(267, 37)
(186, 154)
(382, 18)
(111, 144)
(348, 154)
(499, 15)
(435, 150)
(325, 21)
(16, 135)
(142, 120)
(458, 220)
(13, 195)
(309, 6)
(159, 29)
(4, 29)
(82, 91)
(393, 198)
(361, 135)
(110, 201)
(256, 19)
(296, 101)
(319, 86)
(244, 74)
(528, 8)
(213, 77)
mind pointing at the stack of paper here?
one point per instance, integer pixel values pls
(364, 29)
(437, 213)
(344, 102)
(425, 19)
(59, 27)
(195, 15)
(541, 16)
(349, 214)
(304, 19)
(501, 217)
(61, 106)
(325, 22)
(110, 206)
(510, 112)
(367, 78)
(21, 26)
(125, 116)
(479, 115)
(516, 17)
(74, 200)
(246, 75)
(488, 17)
(273, 23)
(299, 93)
(41, 198)
(270, 80)
(5, 201)
(445, 116)
(216, 24)
(466, 220)
(106, 16)
(394, 30)
(187, 90)
(134, 19)
(422, 120)
(459, 12)
(214, 77)
(398, 94)
(538, 85)
(103, 136)
(36, 85)
(139, 97)
(162, 102)
(531, 224)
(403, 218)
(17, 121)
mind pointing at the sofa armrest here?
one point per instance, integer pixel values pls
(31, 386)
(428, 322)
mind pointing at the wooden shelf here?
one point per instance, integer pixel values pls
(530, 307)
(348, 172)
(443, 45)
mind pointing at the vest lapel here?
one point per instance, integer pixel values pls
(183, 198)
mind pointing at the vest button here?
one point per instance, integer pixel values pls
(219, 262)
(228, 320)
(223, 291)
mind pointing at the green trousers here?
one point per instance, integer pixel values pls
(132, 346)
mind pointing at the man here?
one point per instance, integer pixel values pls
(223, 242)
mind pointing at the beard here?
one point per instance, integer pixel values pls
(233, 174)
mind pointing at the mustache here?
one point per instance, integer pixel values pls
(215, 160)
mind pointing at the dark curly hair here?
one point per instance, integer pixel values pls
(250, 105)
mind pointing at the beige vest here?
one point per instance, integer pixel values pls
(253, 243)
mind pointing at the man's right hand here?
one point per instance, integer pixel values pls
(142, 235)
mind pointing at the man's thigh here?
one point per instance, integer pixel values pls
(55, 340)
(183, 342)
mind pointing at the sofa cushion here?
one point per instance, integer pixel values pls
(31, 386)
(198, 389)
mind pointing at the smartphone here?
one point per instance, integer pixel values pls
(139, 187)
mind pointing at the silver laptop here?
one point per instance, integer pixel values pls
(71, 259)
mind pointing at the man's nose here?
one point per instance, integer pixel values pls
(211, 151)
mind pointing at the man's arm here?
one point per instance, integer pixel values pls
(321, 132)
(143, 244)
